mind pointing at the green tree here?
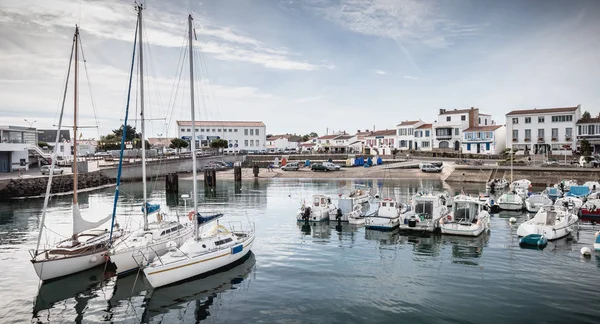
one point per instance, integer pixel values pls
(394, 152)
(219, 143)
(586, 115)
(178, 143)
(42, 144)
(313, 134)
(131, 134)
(305, 138)
(586, 147)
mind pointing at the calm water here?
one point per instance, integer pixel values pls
(307, 274)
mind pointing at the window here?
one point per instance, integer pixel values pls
(235, 130)
(515, 120)
(219, 130)
(213, 130)
(581, 130)
(527, 120)
(591, 130)
(456, 132)
(562, 118)
(257, 143)
(196, 130)
(541, 133)
(554, 133)
(246, 132)
(230, 130)
(183, 130)
(62, 149)
(418, 134)
(540, 119)
(189, 130)
(411, 131)
(426, 133)
(223, 241)
(479, 120)
(568, 132)
(443, 132)
(449, 118)
(485, 121)
(245, 142)
(402, 143)
(402, 132)
(252, 131)
(528, 134)
(515, 134)
(251, 142)
(202, 129)
(424, 144)
(256, 132)
(463, 117)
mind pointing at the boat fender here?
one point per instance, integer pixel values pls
(148, 238)
(449, 218)
(512, 220)
(93, 259)
(478, 222)
(586, 251)
(191, 215)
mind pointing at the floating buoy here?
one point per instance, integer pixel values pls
(512, 220)
(93, 259)
(586, 251)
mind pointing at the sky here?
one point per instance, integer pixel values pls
(299, 66)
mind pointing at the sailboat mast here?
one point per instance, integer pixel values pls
(193, 141)
(143, 133)
(75, 101)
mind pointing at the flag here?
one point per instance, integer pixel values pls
(80, 135)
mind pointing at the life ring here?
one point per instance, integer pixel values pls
(449, 218)
(191, 215)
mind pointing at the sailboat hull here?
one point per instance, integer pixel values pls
(163, 275)
(51, 269)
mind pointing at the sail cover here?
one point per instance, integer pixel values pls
(80, 224)
(205, 219)
(152, 208)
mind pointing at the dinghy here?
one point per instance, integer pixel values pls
(536, 240)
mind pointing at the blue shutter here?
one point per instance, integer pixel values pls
(487, 146)
(468, 147)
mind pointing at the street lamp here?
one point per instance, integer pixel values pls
(30, 123)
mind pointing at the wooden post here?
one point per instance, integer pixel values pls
(172, 183)
(255, 171)
(210, 177)
(237, 173)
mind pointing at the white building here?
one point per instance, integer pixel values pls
(424, 137)
(381, 142)
(283, 143)
(406, 134)
(544, 130)
(240, 135)
(324, 142)
(484, 139)
(450, 124)
(590, 130)
(14, 144)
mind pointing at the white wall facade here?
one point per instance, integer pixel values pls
(280, 144)
(424, 138)
(405, 133)
(381, 143)
(543, 131)
(249, 136)
(484, 140)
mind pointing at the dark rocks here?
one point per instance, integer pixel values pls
(31, 187)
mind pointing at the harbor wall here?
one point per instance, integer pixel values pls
(539, 176)
(35, 187)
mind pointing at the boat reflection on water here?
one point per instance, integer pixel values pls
(384, 237)
(320, 230)
(82, 286)
(169, 304)
(465, 249)
(512, 213)
(425, 244)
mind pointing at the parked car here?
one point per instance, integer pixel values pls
(430, 168)
(290, 166)
(318, 167)
(332, 167)
(551, 162)
(45, 169)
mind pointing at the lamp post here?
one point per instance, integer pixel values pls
(30, 123)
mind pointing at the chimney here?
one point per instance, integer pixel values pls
(442, 111)
(473, 117)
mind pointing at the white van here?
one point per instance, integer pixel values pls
(290, 166)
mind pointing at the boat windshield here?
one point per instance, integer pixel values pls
(424, 208)
(316, 202)
(465, 211)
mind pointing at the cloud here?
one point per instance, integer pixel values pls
(381, 72)
(410, 77)
(116, 21)
(309, 99)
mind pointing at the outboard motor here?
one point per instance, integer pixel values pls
(306, 214)
(338, 215)
(412, 222)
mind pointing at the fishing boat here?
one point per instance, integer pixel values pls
(426, 211)
(447, 198)
(467, 218)
(496, 184)
(348, 207)
(87, 245)
(212, 247)
(360, 194)
(552, 222)
(536, 201)
(321, 209)
(535, 240)
(387, 216)
(151, 240)
(571, 203)
(510, 201)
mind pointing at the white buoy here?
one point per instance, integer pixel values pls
(586, 251)
(512, 220)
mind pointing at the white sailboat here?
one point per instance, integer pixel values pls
(550, 221)
(210, 250)
(151, 240)
(87, 245)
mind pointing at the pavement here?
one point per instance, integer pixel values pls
(31, 173)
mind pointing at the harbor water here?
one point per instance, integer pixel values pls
(299, 273)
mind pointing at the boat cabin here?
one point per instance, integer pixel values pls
(424, 206)
(388, 207)
(320, 201)
(465, 211)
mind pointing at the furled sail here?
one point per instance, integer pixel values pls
(80, 224)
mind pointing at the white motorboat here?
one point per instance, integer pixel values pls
(447, 199)
(320, 210)
(510, 201)
(571, 203)
(209, 249)
(151, 240)
(537, 201)
(552, 193)
(359, 219)
(387, 216)
(496, 184)
(360, 195)
(520, 184)
(426, 211)
(551, 221)
(467, 218)
(593, 185)
(348, 208)
(87, 244)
